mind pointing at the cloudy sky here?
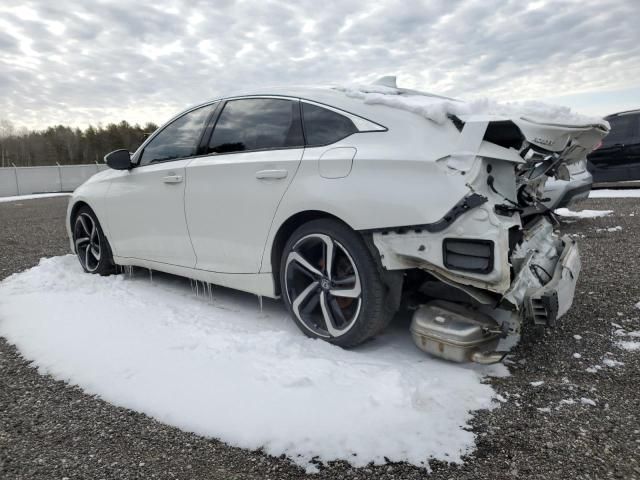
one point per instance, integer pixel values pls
(81, 62)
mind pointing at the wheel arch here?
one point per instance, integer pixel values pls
(77, 206)
(285, 230)
(73, 212)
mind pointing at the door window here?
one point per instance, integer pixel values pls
(323, 126)
(177, 140)
(257, 124)
(623, 130)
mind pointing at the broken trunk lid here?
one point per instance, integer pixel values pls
(571, 141)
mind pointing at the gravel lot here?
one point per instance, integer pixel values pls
(49, 430)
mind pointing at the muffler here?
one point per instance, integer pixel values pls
(456, 333)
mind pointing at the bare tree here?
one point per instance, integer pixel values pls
(6, 131)
(65, 145)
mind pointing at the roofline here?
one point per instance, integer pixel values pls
(635, 110)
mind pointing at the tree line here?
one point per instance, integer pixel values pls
(64, 145)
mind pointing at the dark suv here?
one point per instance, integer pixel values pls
(618, 157)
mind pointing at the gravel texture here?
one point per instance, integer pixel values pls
(49, 430)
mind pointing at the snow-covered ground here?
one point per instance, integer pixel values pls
(628, 340)
(32, 197)
(225, 369)
(610, 193)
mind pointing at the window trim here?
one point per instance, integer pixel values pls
(204, 143)
(212, 120)
(136, 158)
(347, 113)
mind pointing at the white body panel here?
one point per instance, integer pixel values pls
(145, 214)
(230, 202)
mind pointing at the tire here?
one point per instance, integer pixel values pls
(91, 245)
(341, 301)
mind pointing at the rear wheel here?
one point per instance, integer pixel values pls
(331, 284)
(92, 247)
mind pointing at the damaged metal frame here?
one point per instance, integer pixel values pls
(534, 279)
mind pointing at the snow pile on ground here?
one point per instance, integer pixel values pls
(609, 193)
(565, 212)
(225, 369)
(631, 345)
(606, 362)
(617, 228)
(437, 108)
(32, 197)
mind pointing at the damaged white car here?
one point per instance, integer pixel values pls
(345, 201)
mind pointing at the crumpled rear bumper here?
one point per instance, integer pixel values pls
(546, 304)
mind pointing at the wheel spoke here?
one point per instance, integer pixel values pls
(81, 241)
(327, 314)
(94, 232)
(345, 281)
(302, 262)
(304, 295)
(96, 253)
(86, 258)
(352, 292)
(329, 254)
(337, 312)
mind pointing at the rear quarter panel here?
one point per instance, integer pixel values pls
(395, 180)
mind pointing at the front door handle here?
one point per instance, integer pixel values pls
(171, 178)
(271, 174)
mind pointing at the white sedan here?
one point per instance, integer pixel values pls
(343, 203)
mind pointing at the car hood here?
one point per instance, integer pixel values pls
(102, 176)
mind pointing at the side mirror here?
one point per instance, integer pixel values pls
(118, 160)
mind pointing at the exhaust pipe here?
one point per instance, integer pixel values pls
(457, 333)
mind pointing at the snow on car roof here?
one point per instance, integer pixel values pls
(434, 107)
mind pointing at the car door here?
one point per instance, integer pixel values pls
(618, 158)
(232, 193)
(632, 151)
(145, 205)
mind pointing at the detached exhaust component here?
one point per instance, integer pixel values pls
(456, 333)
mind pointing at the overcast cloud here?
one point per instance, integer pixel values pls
(99, 61)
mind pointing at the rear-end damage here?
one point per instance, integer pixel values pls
(496, 245)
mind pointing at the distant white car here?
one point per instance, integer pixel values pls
(340, 204)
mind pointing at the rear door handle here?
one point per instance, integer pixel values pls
(171, 178)
(271, 174)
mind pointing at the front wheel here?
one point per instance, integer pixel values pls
(331, 284)
(92, 247)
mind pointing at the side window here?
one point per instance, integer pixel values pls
(179, 139)
(623, 129)
(322, 126)
(257, 124)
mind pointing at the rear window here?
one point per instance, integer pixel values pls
(323, 126)
(624, 129)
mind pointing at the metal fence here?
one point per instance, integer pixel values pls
(59, 178)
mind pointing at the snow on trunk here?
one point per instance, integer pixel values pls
(438, 108)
